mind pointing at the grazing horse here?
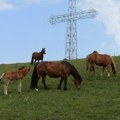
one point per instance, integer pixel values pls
(38, 56)
(103, 60)
(55, 70)
(14, 75)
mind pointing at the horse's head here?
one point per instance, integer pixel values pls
(26, 69)
(43, 51)
(78, 81)
(95, 52)
(21, 68)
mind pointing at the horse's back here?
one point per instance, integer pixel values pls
(18, 74)
(10, 75)
(34, 53)
(91, 58)
(54, 69)
(99, 59)
(52, 65)
(105, 58)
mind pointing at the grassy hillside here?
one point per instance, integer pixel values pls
(98, 98)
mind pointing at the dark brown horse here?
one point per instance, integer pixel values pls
(14, 75)
(103, 60)
(38, 56)
(55, 69)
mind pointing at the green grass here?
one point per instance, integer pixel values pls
(98, 98)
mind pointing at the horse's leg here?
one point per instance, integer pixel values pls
(92, 68)
(108, 67)
(34, 61)
(43, 81)
(19, 85)
(65, 84)
(6, 83)
(36, 89)
(103, 69)
(59, 86)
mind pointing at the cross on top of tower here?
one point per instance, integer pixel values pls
(71, 19)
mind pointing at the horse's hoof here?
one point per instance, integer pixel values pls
(19, 92)
(36, 89)
(58, 88)
(46, 88)
(65, 89)
(78, 88)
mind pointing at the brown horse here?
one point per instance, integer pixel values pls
(55, 69)
(14, 75)
(103, 60)
(38, 56)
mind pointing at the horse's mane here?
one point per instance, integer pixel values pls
(95, 51)
(21, 68)
(68, 64)
(72, 69)
(43, 50)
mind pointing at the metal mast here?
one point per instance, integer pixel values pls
(71, 19)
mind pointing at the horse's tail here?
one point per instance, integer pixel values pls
(34, 78)
(31, 60)
(113, 66)
(87, 64)
(2, 76)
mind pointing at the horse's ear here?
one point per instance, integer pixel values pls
(29, 68)
(95, 51)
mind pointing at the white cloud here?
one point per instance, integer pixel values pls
(30, 2)
(10, 4)
(5, 6)
(111, 46)
(108, 14)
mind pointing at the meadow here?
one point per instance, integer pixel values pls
(98, 98)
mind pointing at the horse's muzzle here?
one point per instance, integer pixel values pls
(78, 88)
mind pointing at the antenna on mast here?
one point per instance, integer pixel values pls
(71, 19)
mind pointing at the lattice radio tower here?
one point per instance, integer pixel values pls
(71, 19)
